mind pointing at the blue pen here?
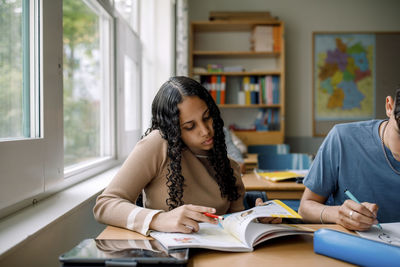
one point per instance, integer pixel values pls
(352, 197)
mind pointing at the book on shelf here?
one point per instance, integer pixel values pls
(270, 88)
(239, 128)
(280, 176)
(246, 89)
(241, 97)
(267, 120)
(262, 39)
(238, 231)
(199, 70)
(223, 89)
(266, 38)
(277, 37)
(214, 68)
(233, 69)
(213, 87)
(251, 89)
(259, 90)
(262, 94)
(218, 88)
(216, 85)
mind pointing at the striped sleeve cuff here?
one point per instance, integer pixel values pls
(139, 220)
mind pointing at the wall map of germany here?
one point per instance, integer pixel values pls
(344, 73)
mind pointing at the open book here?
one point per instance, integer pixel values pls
(238, 231)
(278, 176)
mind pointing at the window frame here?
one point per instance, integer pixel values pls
(33, 167)
(107, 113)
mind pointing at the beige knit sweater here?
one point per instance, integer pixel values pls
(145, 169)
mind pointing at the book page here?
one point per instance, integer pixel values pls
(209, 236)
(389, 234)
(258, 232)
(237, 223)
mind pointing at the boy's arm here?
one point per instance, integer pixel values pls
(313, 210)
(350, 214)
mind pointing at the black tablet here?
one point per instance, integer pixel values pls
(94, 252)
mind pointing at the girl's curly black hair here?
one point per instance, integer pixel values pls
(165, 118)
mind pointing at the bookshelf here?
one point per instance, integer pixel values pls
(226, 51)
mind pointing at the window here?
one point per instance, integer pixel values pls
(70, 90)
(18, 95)
(39, 120)
(129, 10)
(20, 121)
(87, 88)
(128, 83)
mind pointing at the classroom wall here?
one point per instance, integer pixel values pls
(301, 18)
(44, 248)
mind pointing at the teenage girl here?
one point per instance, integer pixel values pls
(180, 167)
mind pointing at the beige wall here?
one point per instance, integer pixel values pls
(301, 18)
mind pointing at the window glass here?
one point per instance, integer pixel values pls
(131, 99)
(14, 32)
(84, 83)
(129, 11)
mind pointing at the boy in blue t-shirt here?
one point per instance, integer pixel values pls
(363, 157)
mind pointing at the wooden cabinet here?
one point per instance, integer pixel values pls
(226, 49)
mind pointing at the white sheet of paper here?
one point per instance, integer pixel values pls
(389, 234)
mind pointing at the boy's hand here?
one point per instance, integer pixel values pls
(359, 217)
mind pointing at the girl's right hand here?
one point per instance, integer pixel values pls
(183, 219)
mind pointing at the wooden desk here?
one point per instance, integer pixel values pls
(251, 162)
(279, 190)
(284, 251)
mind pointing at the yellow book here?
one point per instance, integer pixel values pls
(246, 89)
(278, 176)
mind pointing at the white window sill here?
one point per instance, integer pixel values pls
(24, 224)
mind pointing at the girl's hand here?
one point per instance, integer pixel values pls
(267, 219)
(183, 219)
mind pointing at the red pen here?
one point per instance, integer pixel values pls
(213, 216)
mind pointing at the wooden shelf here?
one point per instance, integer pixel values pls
(228, 43)
(234, 53)
(242, 73)
(249, 106)
(231, 25)
(260, 137)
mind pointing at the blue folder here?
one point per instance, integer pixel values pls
(355, 249)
